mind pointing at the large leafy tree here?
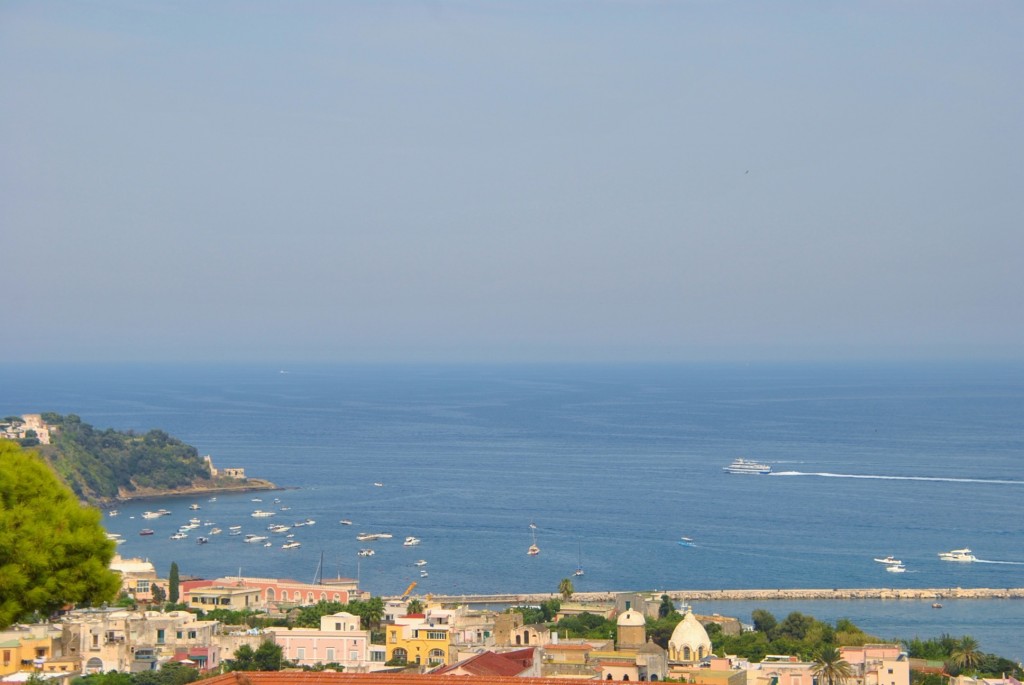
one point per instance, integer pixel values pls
(53, 550)
(966, 655)
(267, 657)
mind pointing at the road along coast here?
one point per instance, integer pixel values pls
(706, 595)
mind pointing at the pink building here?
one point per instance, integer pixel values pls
(340, 640)
(275, 591)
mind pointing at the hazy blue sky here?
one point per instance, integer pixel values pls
(544, 180)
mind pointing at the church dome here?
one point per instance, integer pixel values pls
(631, 618)
(689, 641)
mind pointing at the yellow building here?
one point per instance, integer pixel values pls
(26, 648)
(411, 640)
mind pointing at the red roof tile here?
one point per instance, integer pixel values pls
(333, 678)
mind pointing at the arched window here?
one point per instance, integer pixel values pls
(526, 637)
(625, 676)
(94, 665)
(284, 595)
(608, 677)
(654, 678)
(309, 597)
(400, 655)
(436, 656)
(337, 597)
(323, 596)
(271, 595)
(519, 639)
(686, 653)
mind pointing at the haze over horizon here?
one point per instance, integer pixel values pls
(492, 181)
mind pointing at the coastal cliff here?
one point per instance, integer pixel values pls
(103, 467)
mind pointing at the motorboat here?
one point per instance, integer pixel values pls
(365, 553)
(378, 484)
(896, 568)
(256, 499)
(936, 605)
(215, 531)
(424, 574)
(958, 555)
(260, 514)
(291, 544)
(202, 540)
(744, 466)
(686, 542)
(411, 541)
(363, 537)
(268, 544)
(155, 514)
(193, 507)
(179, 536)
(146, 531)
(279, 529)
(345, 522)
(195, 521)
(113, 512)
(252, 537)
(420, 562)
(889, 560)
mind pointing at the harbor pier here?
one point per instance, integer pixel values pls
(932, 594)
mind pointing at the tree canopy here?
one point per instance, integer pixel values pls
(53, 550)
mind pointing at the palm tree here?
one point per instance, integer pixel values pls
(966, 655)
(830, 668)
(566, 589)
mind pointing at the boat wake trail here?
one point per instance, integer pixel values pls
(922, 478)
(989, 561)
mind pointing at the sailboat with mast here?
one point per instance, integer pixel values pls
(533, 550)
(579, 562)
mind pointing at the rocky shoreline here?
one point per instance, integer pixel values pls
(249, 485)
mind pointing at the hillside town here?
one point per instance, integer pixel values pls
(434, 640)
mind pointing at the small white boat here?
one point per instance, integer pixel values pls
(365, 553)
(260, 514)
(888, 560)
(215, 531)
(423, 574)
(291, 544)
(378, 484)
(251, 537)
(256, 499)
(345, 522)
(421, 562)
(179, 536)
(896, 568)
(194, 507)
(202, 540)
(113, 512)
(268, 544)
(958, 555)
(212, 499)
(411, 541)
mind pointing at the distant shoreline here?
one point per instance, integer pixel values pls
(251, 485)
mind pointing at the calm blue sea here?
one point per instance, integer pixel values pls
(612, 463)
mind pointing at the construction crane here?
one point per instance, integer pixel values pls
(408, 590)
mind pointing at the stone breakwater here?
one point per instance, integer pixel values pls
(724, 595)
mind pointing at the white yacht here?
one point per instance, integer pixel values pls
(252, 537)
(889, 560)
(420, 562)
(260, 514)
(896, 568)
(291, 544)
(411, 541)
(744, 466)
(958, 555)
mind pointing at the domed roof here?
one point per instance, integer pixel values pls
(631, 618)
(689, 633)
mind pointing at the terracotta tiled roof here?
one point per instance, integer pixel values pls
(333, 678)
(492, 664)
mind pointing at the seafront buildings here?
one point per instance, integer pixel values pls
(441, 640)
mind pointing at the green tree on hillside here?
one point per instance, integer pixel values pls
(53, 551)
(965, 656)
(566, 589)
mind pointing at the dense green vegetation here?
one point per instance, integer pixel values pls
(100, 465)
(53, 550)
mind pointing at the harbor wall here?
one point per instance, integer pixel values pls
(722, 595)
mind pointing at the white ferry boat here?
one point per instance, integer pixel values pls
(958, 555)
(745, 466)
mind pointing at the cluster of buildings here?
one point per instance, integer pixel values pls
(438, 641)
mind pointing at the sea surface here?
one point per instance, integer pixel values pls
(613, 464)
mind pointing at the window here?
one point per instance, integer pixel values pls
(192, 635)
(300, 653)
(160, 636)
(330, 654)
(353, 656)
(400, 655)
(142, 585)
(179, 634)
(436, 635)
(436, 656)
(377, 656)
(337, 626)
(394, 636)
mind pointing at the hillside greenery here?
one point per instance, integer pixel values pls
(101, 465)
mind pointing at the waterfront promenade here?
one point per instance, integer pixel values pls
(793, 594)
